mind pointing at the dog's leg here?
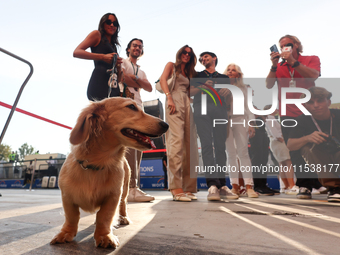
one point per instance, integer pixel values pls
(103, 234)
(70, 227)
(123, 216)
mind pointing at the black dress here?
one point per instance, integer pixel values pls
(98, 88)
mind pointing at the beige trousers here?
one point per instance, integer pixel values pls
(134, 157)
(181, 144)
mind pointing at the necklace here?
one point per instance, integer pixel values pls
(292, 83)
(211, 75)
(134, 68)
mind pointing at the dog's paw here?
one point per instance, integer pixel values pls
(107, 241)
(124, 220)
(62, 237)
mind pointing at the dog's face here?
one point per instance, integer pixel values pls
(117, 121)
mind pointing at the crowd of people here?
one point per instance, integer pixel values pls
(306, 142)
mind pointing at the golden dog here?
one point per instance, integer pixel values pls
(95, 175)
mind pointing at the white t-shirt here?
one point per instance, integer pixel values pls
(131, 68)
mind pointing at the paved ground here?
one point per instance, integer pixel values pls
(267, 225)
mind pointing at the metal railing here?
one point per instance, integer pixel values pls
(19, 93)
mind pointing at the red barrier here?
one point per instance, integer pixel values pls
(56, 123)
(154, 151)
(34, 115)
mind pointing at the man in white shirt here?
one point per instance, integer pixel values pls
(136, 80)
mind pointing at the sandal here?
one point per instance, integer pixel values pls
(181, 197)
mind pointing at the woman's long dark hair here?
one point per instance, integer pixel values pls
(114, 37)
(189, 68)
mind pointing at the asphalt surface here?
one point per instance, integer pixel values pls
(279, 224)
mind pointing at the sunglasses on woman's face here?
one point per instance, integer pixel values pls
(109, 22)
(184, 52)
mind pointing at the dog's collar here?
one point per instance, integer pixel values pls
(92, 167)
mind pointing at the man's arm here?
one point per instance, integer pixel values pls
(271, 78)
(131, 81)
(316, 137)
(144, 84)
(305, 71)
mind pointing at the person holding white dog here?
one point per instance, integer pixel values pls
(135, 79)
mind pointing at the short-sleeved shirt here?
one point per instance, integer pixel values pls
(283, 77)
(131, 68)
(216, 78)
(305, 125)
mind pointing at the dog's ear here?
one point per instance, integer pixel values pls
(90, 122)
(81, 132)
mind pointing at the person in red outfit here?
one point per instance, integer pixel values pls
(298, 71)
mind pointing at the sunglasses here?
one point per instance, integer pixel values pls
(109, 22)
(184, 52)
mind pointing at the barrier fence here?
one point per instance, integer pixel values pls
(18, 169)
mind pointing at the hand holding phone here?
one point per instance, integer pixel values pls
(274, 49)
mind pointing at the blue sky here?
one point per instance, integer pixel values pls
(46, 33)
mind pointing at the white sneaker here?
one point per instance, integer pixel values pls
(315, 192)
(283, 190)
(293, 191)
(137, 195)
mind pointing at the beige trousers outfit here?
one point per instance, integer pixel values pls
(181, 140)
(134, 157)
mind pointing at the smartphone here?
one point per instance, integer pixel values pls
(274, 48)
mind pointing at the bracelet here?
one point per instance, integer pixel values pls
(168, 94)
(273, 68)
(296, 64)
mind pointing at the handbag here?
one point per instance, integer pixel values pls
(170, 81)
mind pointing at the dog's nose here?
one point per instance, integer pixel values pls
(164, 125)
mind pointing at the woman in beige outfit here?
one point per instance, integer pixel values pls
(181, 138)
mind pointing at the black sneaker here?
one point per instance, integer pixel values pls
(304, 193)
(276, 192)
(334, 195)
(264, 191)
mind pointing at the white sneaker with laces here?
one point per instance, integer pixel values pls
(137, 195)
(293, 191)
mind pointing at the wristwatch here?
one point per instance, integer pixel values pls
(297, 63)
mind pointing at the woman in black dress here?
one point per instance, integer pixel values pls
(103, 43)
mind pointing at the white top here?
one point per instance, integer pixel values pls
(127, 66)
(273, 127)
